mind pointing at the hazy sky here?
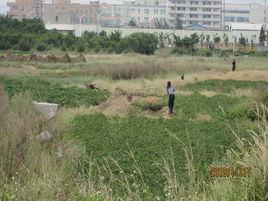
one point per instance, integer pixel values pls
(3, 6)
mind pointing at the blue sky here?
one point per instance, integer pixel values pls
(3, 7)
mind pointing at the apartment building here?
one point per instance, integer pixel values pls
(204, 14)
(25, 8)
(111, 15)
(148, 13)
(253, 13)
(65, 12)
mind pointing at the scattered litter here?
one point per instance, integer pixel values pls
(59, 152)
(45, 136)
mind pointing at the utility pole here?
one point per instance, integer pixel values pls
(223, 15)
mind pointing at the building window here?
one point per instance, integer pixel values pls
(155, 11)
(57, 18)
(207, 3)
(206, 16)
(146, 11)
(193, 9)
(194, 2)
(181, 8)
(163, 11)
(25, 8)
(146, 20)
(242, 19)
(207, 9)
(139, 10)
(193, 16)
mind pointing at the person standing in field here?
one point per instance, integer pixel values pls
(234, 65)
(171, 97)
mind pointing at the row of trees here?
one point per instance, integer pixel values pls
(28, 34)
(31, 34)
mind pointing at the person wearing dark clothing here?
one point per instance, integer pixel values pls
(182, 76)
(171, 96)
(234, 65)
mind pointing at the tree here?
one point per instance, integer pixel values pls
(115, 36)
(178, 23)
(208, 40)
(132, 23)
(225, 39)
(41, 47)
(217, 39)
(202, 38)
(161, 39)
(262, 37)
(24, 45)
(143, 43)
(242, 40)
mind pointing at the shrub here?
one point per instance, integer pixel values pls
(4, 45)
(242, 110)
(24, 45)
(80, 47)
(143, 43)
(41, 47)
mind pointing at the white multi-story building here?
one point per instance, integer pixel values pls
(148, 13)
(196, 13)
(246, 13)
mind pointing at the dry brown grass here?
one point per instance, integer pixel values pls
(202, 117)
(29, 168)
(26, 70)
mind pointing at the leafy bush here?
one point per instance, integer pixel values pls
(242, 110)
(80, 47)
(4, 45)
(24, 45)
(143, 43)
(41, 47)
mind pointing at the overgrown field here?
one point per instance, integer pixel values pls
(143, 154)
(151, 140)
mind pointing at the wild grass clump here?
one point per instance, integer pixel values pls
(29, 168)
(127, 71)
